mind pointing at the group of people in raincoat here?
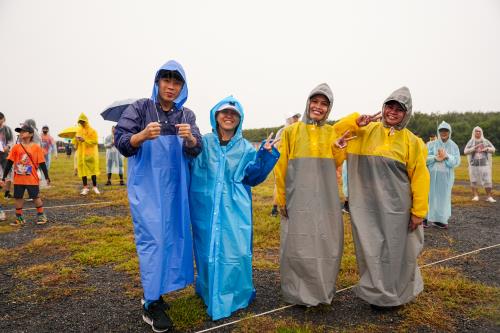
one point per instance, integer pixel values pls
(191, 195)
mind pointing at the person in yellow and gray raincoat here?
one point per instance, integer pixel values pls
(308, 199)
(388, 185)
(87, 154)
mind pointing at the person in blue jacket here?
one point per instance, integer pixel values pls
(443, 158)
(221, 209)
(159, 135)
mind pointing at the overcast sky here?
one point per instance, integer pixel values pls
(59, 58)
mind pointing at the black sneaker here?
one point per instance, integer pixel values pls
(7, 195)
(122, 182)
(378, 308)
(440, 225)
(425, 223)
(108, 183)
(155, 316)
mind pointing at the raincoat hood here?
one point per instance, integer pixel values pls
(31, 123)
(233, 102)
(444, 125)
(84, 118)
(172, 65)
(473, 137)
(322, 89)
(403, 97)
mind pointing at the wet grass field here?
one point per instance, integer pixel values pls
(79, 272)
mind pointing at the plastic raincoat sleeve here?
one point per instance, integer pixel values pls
(452, 161)
(108, 142)
(347, 123)
(91, 138)
(128, 125)
(419, 177)
(195, 131)
(281, 167)
(256, 171)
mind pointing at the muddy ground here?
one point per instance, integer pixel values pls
(108, 309)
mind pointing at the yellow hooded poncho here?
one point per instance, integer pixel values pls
(87, 152)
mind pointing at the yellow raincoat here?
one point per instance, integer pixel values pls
(87, 152)
(388, 181)
(312, 236)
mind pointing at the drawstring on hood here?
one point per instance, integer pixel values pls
(403, 97)
(173, 66)
(322, 89)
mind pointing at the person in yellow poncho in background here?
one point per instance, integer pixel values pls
(388, 185)
(87, 154)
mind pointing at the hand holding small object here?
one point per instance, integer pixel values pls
(184, 131)
(152, 131)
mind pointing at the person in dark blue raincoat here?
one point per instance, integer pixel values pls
(159, 135)
(221, 209)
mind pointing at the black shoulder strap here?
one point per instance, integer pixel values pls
(34, 164)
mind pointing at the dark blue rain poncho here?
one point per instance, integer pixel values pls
(158, 182)
(221, 213)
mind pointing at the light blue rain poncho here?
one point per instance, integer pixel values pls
(442, 176)
(221, 216)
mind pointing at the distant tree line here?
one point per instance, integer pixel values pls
(424, 125)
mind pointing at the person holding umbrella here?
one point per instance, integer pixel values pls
(87, 154)
(159, 136)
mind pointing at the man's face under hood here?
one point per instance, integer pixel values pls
(444, 134)
(169, 87)
(318, 107)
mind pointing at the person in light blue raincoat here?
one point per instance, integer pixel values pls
(442, 159)
(159, 135)
(221, 209)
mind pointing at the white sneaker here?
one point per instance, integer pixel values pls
(3, 217)
(96, 190)
(490, 199)
(476, 198)
(85, 191)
